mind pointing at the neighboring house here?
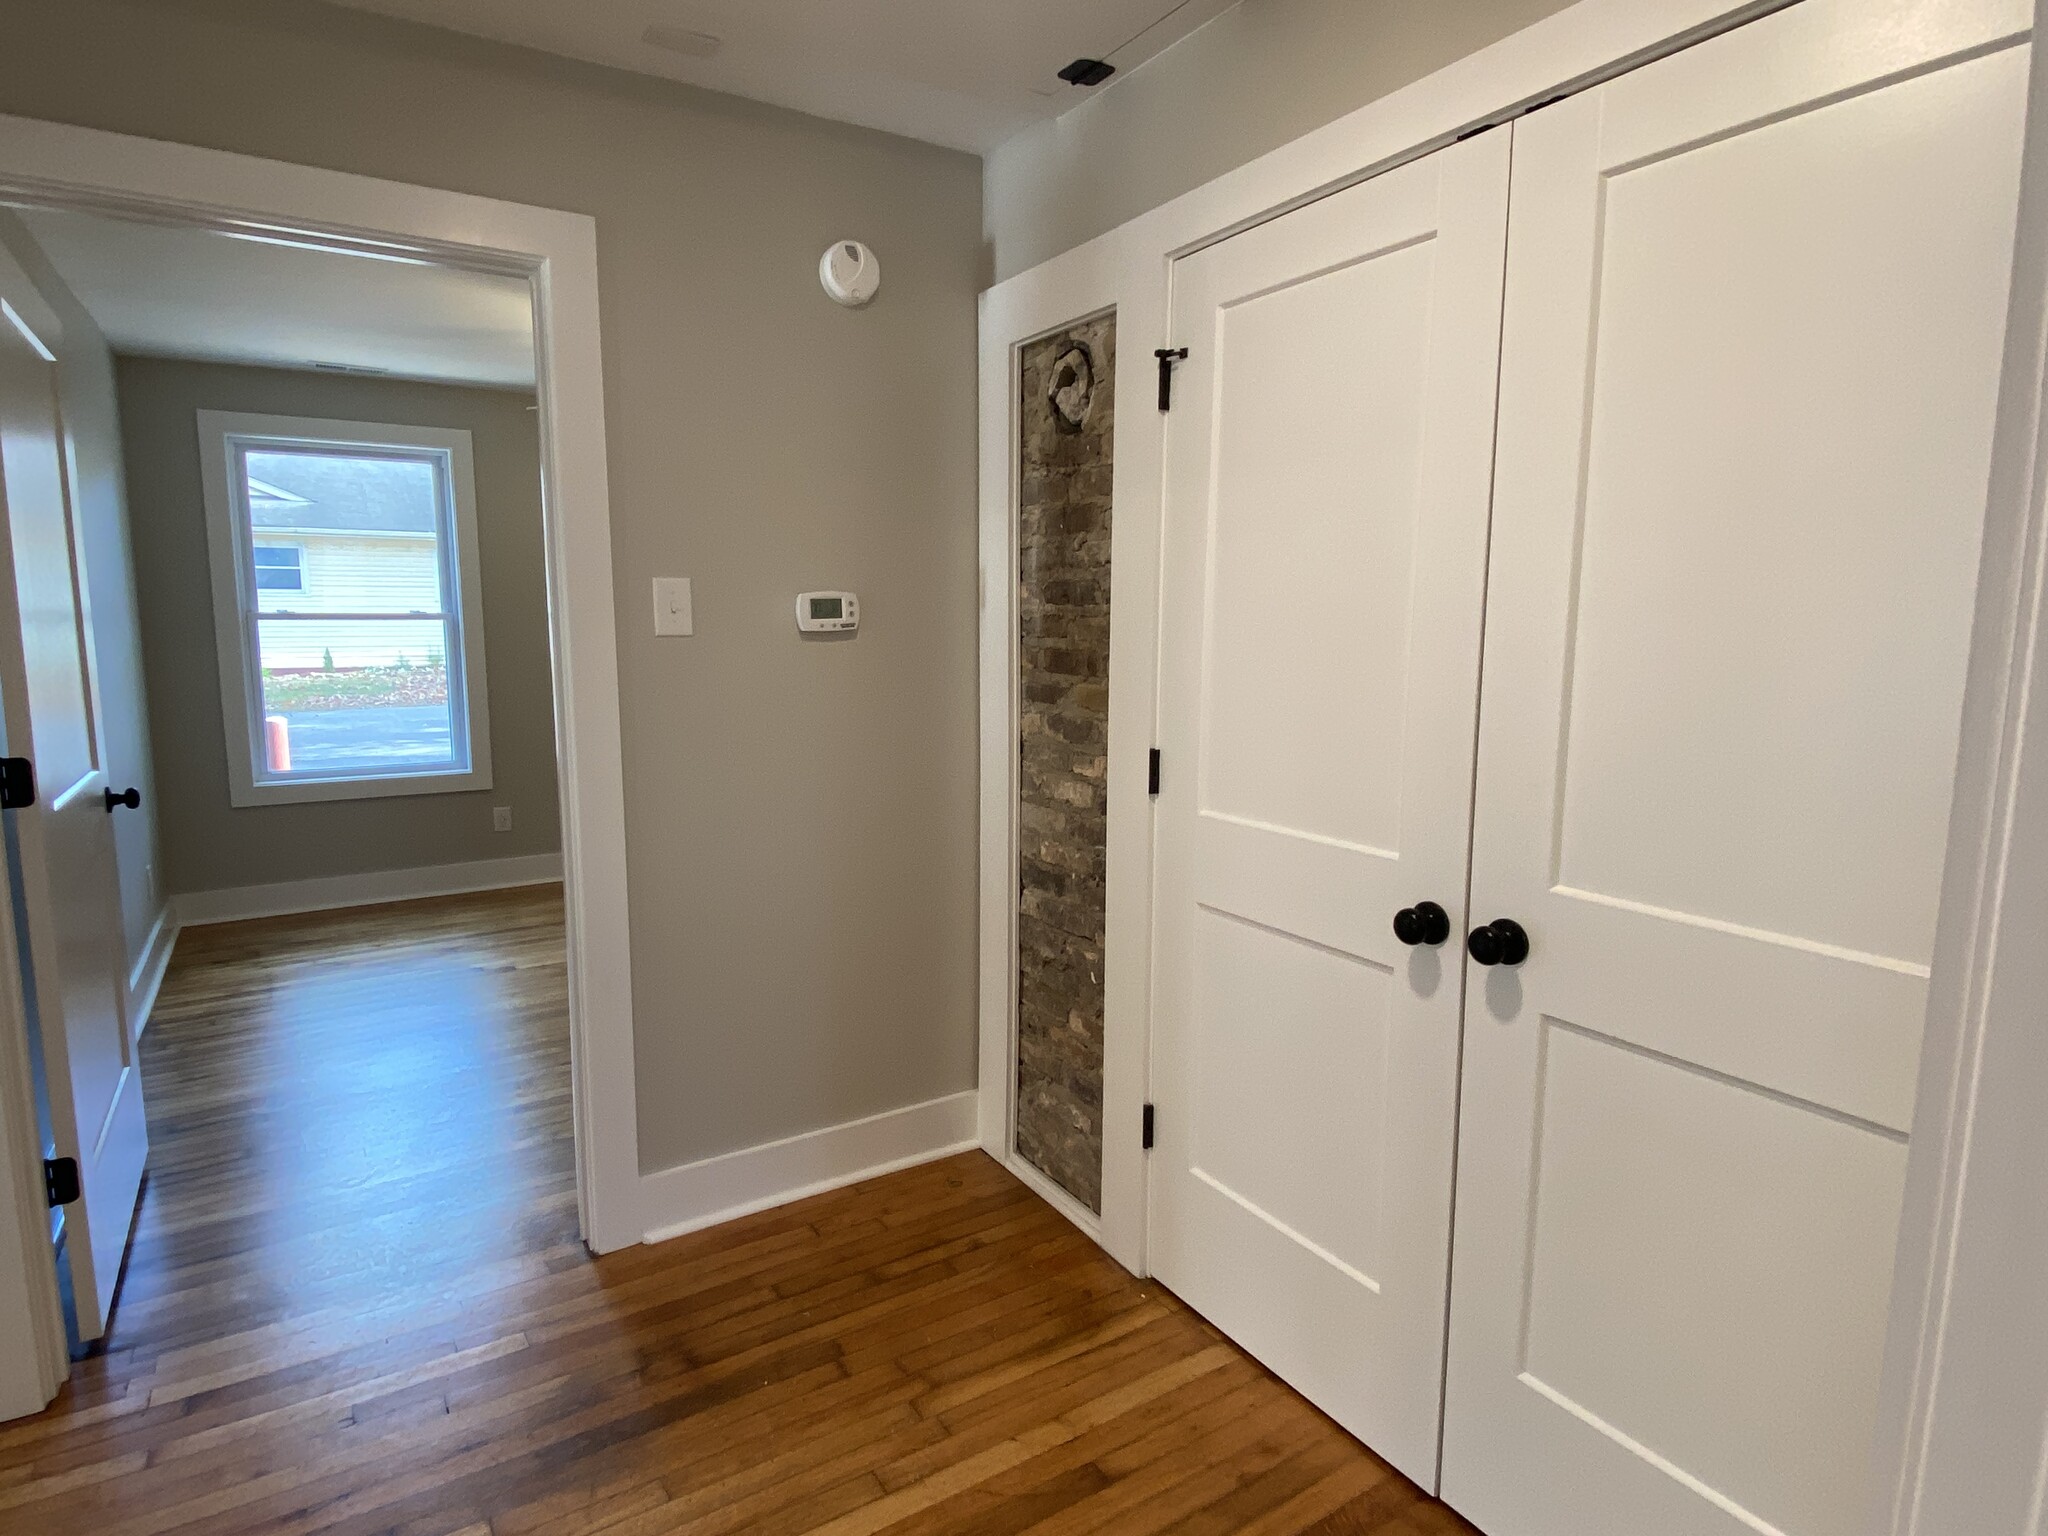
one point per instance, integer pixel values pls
(348, 536)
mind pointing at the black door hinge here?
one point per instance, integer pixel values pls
(1152, 774)
(60, 1180)
(17, 783)
(1167, 356)
(1148, 1127)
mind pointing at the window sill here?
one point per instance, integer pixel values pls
(301, 791)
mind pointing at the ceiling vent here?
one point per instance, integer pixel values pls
(696, 45)
(1087, 72)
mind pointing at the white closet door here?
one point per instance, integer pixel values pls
(1754, 315)
(1326, 499)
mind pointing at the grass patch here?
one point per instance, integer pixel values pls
(355, 688)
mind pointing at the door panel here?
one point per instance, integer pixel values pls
(1327, 475)
(1753, 327)
(1637, 1319)
(1268, 1105)
(1704, 776)
(64, 841)
(1307, 662)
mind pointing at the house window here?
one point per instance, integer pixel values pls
(347, 608)
(280, 568)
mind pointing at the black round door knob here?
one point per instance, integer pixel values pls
(1501, 942)
(132, 798)
(1423, 923)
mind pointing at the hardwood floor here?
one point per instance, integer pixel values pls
(356, 1303)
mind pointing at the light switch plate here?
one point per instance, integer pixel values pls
(672, 606)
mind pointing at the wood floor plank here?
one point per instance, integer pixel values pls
(356, 1306)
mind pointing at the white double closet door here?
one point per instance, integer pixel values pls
(1689, 413)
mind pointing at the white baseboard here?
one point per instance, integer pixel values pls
(195, 908)
(717, 1189)
(147, 979)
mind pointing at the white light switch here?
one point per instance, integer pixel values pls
(672, 606)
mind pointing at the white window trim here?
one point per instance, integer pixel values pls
(235, 602)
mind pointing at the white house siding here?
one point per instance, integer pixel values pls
(356, 574)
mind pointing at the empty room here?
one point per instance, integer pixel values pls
(894, 766)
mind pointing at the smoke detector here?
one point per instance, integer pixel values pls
(850, 273)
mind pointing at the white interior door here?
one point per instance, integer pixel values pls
(1328, 460)
(1755, 304)
(64, 841)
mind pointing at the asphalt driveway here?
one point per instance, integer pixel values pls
(359, 738)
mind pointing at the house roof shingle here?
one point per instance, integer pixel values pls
(306, 492)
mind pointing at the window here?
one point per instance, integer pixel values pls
(346, 606)
(280, 568)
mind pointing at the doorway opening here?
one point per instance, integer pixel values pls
(333, 509)
(304, 511)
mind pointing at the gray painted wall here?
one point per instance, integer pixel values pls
(85, 372)
(209, 844)
(1260, 75)
(800, 817)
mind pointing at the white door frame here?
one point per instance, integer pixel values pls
(1963, 1431)
(556, 252)
(1130, 270)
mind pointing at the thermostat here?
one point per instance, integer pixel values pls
(825, 612)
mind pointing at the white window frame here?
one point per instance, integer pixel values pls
(224, 436)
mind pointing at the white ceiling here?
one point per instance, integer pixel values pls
(169, 291)
(964, 73)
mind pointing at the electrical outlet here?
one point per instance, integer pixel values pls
(501, 818)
